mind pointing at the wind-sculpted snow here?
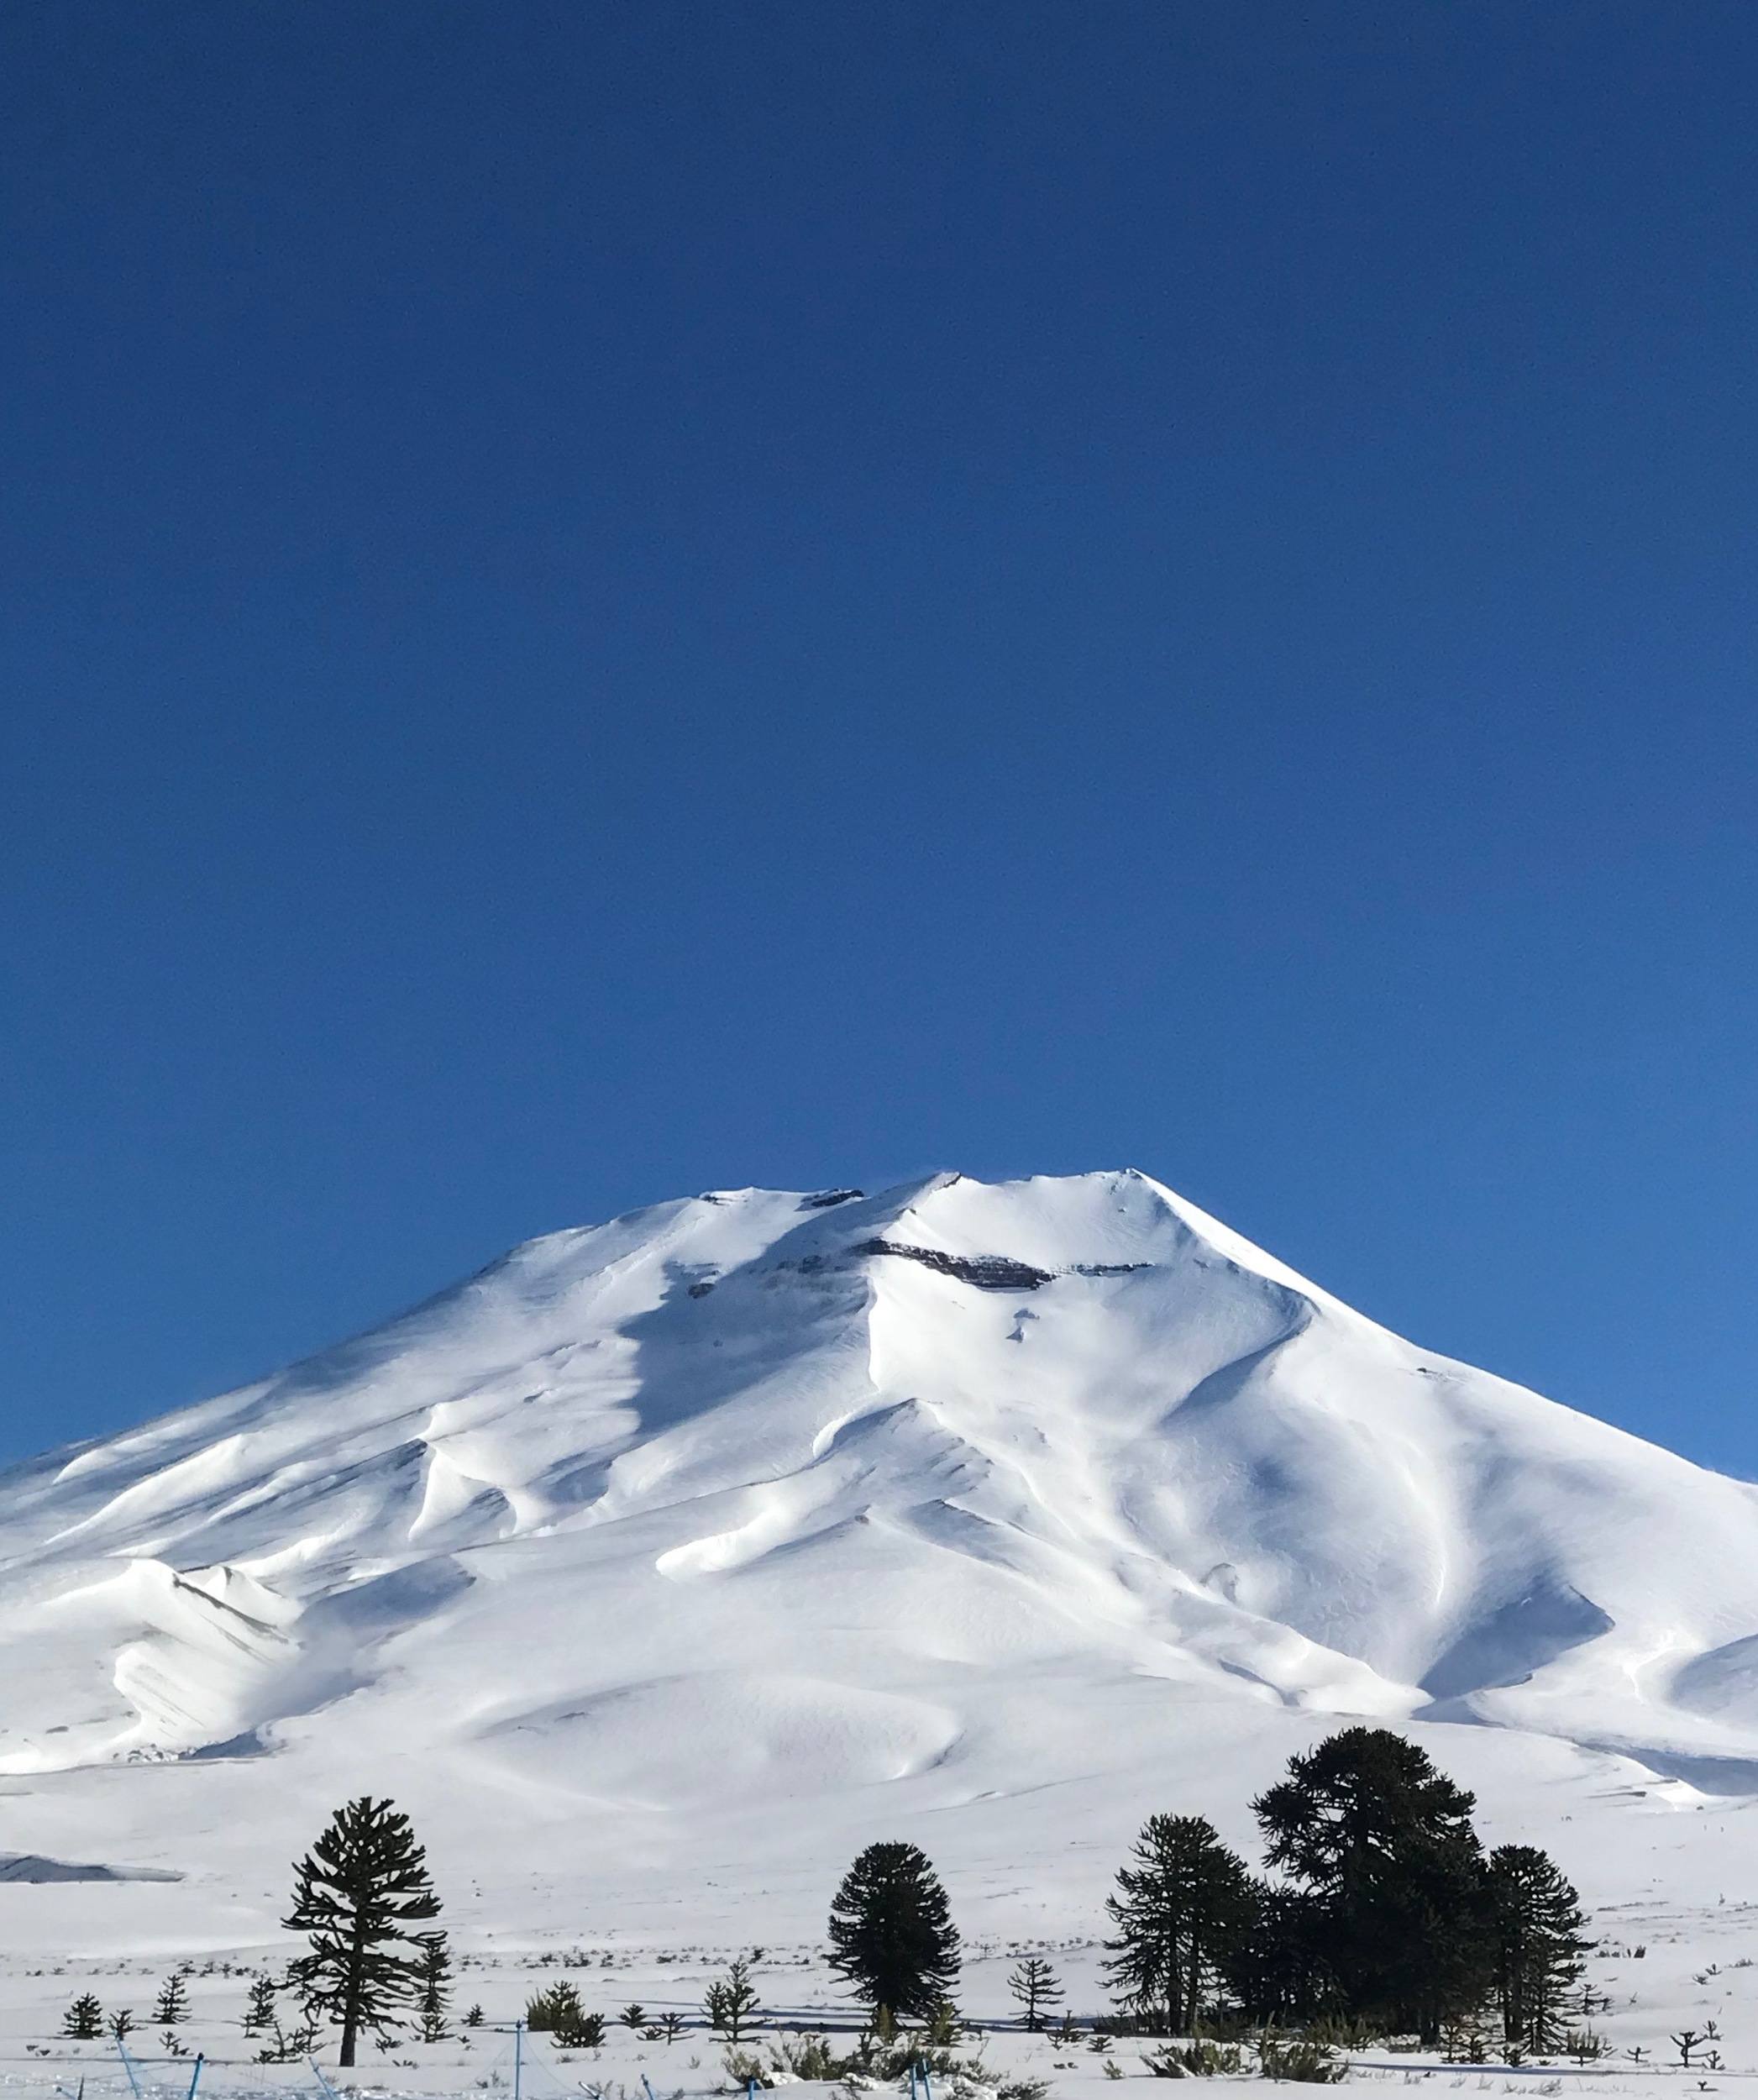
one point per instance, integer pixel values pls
(908, 1503)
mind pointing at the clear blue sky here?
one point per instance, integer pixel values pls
(601, 599)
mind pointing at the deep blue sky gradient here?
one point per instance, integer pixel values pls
(601, 599)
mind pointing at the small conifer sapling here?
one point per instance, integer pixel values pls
(84, 2021)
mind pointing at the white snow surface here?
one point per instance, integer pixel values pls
(666, 1562)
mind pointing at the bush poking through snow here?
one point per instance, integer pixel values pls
(1304, 2063)
(559, 2014)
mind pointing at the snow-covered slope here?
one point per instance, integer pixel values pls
(843, 1509)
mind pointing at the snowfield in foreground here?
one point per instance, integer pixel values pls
(663, 1564)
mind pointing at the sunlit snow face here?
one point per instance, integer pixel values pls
(757, 1517)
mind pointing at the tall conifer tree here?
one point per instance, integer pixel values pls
(1384, 1844)
(1538, 1946)
(1179, 1908)
(891, 1934)
(358, 1895)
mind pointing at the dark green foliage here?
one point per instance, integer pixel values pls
(943, 2026)
(435, 1984)
(1277, 1966)
(810, 2058)
(1538, 1946)
(84, 2021)
(1305, 2063)
(357, 1895)
(121, 2023)
(558, 2012)
(1034, 1984)
(891, 1934)
(552, 2009)
(1384, 1845)
(1199, 2059)
(634, 2016)
(1180, 1908)
(730, 2003)
(170, 2008)
(474, 2017)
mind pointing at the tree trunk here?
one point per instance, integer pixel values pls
(351, 2002)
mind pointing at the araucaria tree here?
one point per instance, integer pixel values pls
(1536, 1922)
(84, 2021)
(358, 1896)
(1382, 1845)
(730, 2003)
(435, 1984)
(1035, 1985)
(260, 2005)
(891, 1934)
(1179, 1909)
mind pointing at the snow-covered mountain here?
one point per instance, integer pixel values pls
(898, 1505)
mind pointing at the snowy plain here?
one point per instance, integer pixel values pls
(667, 1563)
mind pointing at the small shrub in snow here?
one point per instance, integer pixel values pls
(1300, 2062)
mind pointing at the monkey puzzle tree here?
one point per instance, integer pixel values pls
(1038, 1988)
(1179, 1908)
(435, 1960)
(1383, 1845)
(84, 2019)
(358, 1895)
(891, 1934)
(1537, 1945)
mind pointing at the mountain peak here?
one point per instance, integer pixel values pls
(852, 1477)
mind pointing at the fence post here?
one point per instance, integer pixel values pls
(518, 2057)
(127, 2064)
(195, 2076)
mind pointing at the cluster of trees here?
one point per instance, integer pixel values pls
(1381, 1910)
(1384, 1913)
(86, 2019)
(1388, 1914)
